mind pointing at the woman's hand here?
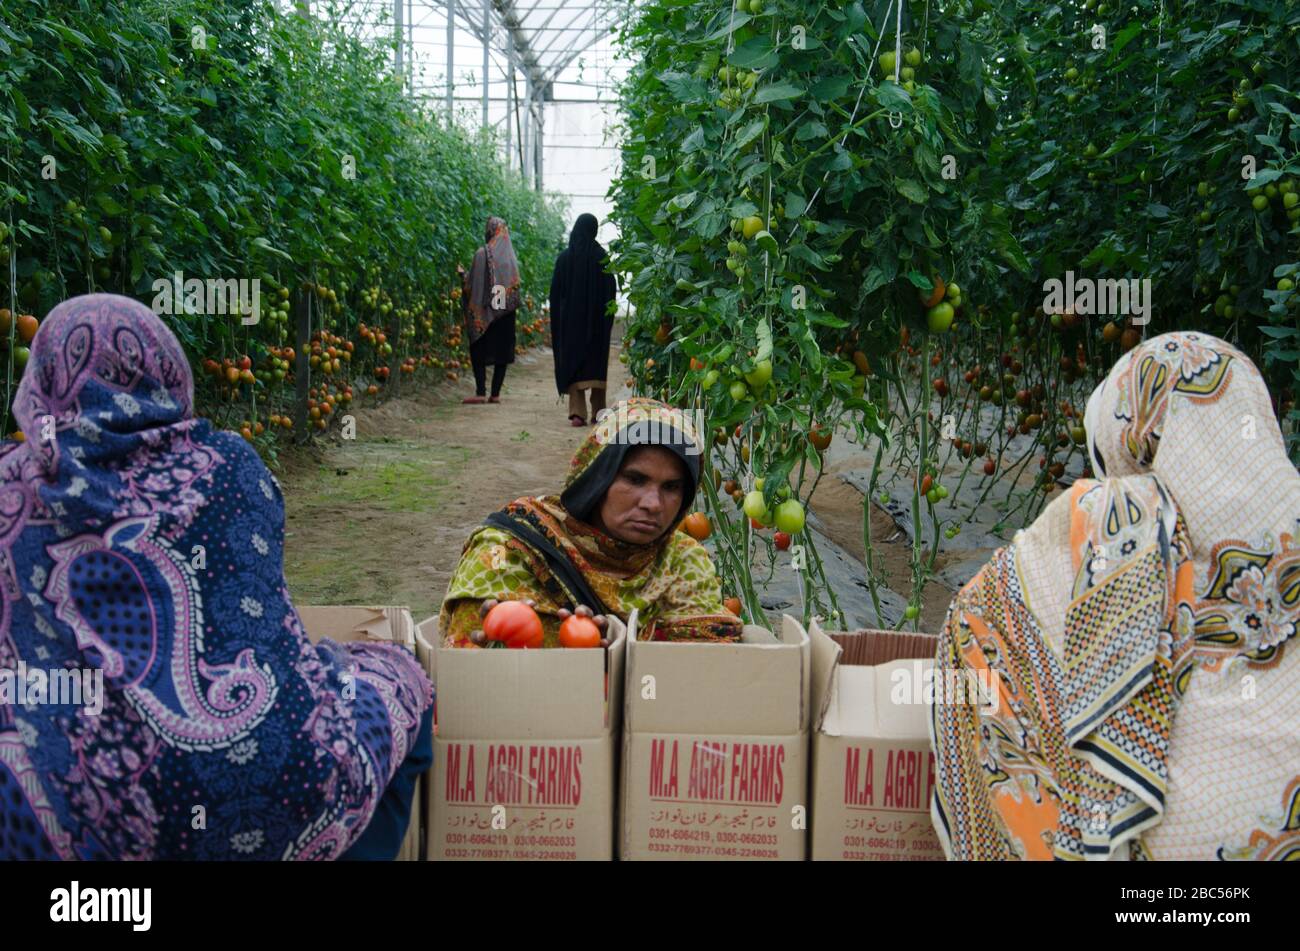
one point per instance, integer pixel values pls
(582, 610)
(479, 637)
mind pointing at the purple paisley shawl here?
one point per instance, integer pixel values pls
(136, 539)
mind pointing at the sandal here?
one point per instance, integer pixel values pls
(474, 399)
(576, 420)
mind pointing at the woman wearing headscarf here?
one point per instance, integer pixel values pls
(1137, 641)
(581, 292)
(606, 544)
(140, 545)
(490, 299)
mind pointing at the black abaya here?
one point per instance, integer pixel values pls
(581, 290)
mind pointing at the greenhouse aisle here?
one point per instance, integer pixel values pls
(381, 519)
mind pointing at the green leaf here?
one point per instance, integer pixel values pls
(764, 331)
(1125, 36)
(894, 97)
(749, 133)
(775, 92)
(873, 280)
(734, 22)
(912, 190)
(1042, 170)
(682, 201)
(754, 53)
(830, 88)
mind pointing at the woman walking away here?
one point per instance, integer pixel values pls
(581, 291)
(141, 561)
(490, 300)
(1131, 656)
(606, 544)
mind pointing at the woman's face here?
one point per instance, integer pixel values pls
(645, 497)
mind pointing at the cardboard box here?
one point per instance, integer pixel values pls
(715, 747)
(873, 769)
(356, 623)
(524, 751)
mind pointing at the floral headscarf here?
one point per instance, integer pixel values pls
(1128, 631)
(138, 542)
(670, 582)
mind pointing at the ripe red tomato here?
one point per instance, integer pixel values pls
(579, 632)
(515, 624)
(782, 541)
(926, 483)
(698, 526)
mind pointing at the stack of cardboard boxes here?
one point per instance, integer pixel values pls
(799, 744)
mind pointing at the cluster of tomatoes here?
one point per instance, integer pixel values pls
(230, 373)
(26, 330)
(515, 624)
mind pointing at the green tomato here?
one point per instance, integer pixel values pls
(941, 491)
(710, 379)
(758, 377)
(932, 496)
(1259, 202)
(1285, 284)
(1202, 188)
(884, 498)
(953, 291)
(1220, 304)
(756, 508)
(912, 57)
(907, 73)
(790, 516)
(759, 483)
(783, 491)
(739, 391)
(911, 612)
(939, 317)
(1290, 200)
(888, 61)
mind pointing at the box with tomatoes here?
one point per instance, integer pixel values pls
(357, 623)
(715, 747)
(872, 766)
(524, 750)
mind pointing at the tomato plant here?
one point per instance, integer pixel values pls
(265, 146)
(839, 241)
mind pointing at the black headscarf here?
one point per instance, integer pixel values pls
(581, 290)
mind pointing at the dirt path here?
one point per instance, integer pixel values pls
(381, 519)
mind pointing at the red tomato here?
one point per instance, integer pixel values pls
(782, 541)
(579, 632)
(515, 624)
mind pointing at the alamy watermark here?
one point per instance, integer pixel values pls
(1117, 297)
(921, 682)
(211, 297)
(23, 685)
(652, 431)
